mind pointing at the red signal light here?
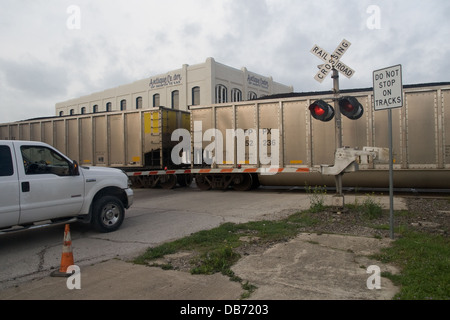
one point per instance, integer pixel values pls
(348, 107)
(321, 110)
(351, 108)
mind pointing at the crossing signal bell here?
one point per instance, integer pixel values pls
(349, 107)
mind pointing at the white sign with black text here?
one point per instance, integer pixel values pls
(332, 61)
(388, 88)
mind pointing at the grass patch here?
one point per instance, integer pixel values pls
(370, 208)
(316, 196)
(425, 263)
(218, 260)
(216, 246)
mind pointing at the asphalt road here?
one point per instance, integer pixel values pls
(157, 216)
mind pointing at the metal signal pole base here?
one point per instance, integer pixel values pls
(338, 203)
(338, 199)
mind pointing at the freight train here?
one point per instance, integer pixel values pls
(272, 141)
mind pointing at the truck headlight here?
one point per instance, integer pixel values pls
(129, 183)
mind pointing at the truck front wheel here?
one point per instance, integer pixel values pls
(108, 214)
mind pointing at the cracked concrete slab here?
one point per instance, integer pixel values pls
(313, 267)
(116, 279)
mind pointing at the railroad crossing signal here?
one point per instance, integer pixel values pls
(348, 106)
(332, 61)
(322, 111)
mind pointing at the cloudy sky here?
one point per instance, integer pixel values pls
(55, 50)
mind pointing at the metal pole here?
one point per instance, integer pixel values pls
(338, 133)
(391, 176)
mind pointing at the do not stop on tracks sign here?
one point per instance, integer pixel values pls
(388, 88)
(387, 95)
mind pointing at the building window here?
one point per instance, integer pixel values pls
(221, 94)
(108, 107)
(95, 109)
(196, 96)
(175, 99)
(123, 105)
(72, 112)
(236, 95)
(156, 100)
(139, 103)
(61, 113)
(83, 110)
(251, 95)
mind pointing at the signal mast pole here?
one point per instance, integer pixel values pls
(338, 135)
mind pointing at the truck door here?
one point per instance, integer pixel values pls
(9, 187)
(48, 189)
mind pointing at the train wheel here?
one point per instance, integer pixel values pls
(244, 182)
(168, 181)
(202, 182)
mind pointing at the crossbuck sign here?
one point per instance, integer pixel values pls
(332, 61)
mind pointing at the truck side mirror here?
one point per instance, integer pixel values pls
(74, 169)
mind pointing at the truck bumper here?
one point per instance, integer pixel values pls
(130, 197)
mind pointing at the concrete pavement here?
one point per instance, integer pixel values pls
(308, 267)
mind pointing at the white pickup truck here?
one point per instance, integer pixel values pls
(40, 186)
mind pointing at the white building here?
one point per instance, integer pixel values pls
(202, 84)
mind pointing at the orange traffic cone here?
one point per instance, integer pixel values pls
(67, 255)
